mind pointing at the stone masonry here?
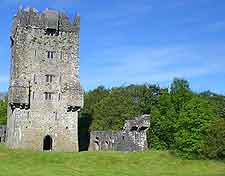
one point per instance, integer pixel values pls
(132, 138)
(45, 94)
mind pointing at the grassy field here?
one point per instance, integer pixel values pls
(152, 163)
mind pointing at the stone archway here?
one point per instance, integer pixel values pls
(47, 143)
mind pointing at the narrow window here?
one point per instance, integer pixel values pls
(61, 55)
(56, 118)
(35, 79)
(35, 53)
(48, 96)
(50, 54)
(33, 95)
(59, 96)
(49, 78)
(60, 78)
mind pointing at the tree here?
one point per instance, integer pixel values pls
(3, 111)
(113, 110)
(124, 103)
(179, 85)
(217, 101)
(144, 97)
(213, 146)
(163, 123)
(180, 93)
(194, 119)
(91, 98)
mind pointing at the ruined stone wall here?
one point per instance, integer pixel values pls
(45, 93)
(133, 137)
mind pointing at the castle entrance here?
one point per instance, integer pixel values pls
(47, 143)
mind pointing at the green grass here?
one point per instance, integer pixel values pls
(151, 163)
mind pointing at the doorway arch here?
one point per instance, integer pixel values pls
(47, 143)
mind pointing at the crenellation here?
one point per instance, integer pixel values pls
(49, 19)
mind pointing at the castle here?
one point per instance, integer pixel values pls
(45, 94)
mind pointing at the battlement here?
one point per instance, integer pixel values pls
(47, 20)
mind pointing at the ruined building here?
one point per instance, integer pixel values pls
(45, 95)
(132, 138)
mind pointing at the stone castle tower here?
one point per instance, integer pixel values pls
(45, 95)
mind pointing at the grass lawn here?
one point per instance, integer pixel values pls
(150, 163)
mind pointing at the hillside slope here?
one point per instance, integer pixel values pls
(151, 163)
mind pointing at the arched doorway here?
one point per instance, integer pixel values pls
(47, 143)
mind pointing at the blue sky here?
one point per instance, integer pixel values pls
(138, 41)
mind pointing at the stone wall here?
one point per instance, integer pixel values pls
(132, 138)
(45, 94)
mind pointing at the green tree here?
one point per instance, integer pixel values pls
(113, 110)
(144, 97)
(194, 119)
(217, 101)
(179, 85)
(163, 123)
(91, 98)
(213, 146)
(164, 115)
(124, 103)
(180, 92)
(3, 111)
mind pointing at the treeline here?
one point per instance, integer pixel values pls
(191, 124)
(188, 123)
